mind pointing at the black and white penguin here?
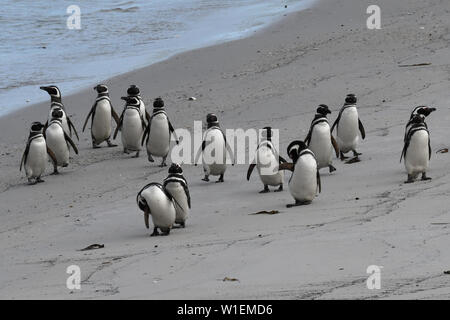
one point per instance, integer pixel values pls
(266, 162)
(134, 91)
(154, 200)
(214, 150)
(417, 149)
(320, 140)
(424, 111)
(56, 102)
(131, 125)
(176, 185)
(348, 124)
(35, 158)
(305, 180)
(101, 112)
(58, 140)
(158, 133)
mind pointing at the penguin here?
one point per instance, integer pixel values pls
(424, 111)
(56, 102)
(157, 133)
(101, 113)
(347, 124)
(305, 179)
(58, 140)
(320, 140)
(214, 150)
(417, 149)
(35, 158)
(154, 200)
(133, 91)
(132, 126)
(267, 161)
(176, 185)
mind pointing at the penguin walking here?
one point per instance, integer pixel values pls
(58, 140)
(214, 150)
(348, 124)
(417, 149)
(176, 185)
(55, 103)
(157, 133)
(423, 111)
(267, 161)
(133, 91)
(154, 200)
(305, 180)
(35, 158)
(320, 140)
(131, 125)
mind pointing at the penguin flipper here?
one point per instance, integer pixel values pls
(308, 137)
(52, 155)
(115, 115)
(319, 183)
(119, 125)
(188, 195)
(24, 156)
(88, 116)
(286, 166)
(230, 152)
(335, 146)
(361, 129)
(68, 139)
(172, 130)
(146, 132)
(336, 121)
(429, 147)
(250, 170)
(71, 126)
(200, 151)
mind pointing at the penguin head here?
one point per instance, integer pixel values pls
(323, 109)
(36, 127)
(267, 133)
(53, 91)
(350, 99)
(294, 149)
(211, 120)
(133, 90)
(175, 168)
(57, 113)
(101, 88)
(423, 110)
(131, 101)
(418, 119)
(158, 103)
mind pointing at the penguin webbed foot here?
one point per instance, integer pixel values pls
(55, 171)
(155, 232)
(220, 179)
(206, 178)
(31, 182)
(298, 203)
(424, 177)
(150, 158)
(136, 155)
(110, 144)
(265, 190)
(411, 179)
(332, 168)
(280, 188)
(179, 225)
(39, 180)
(353, 160)
(355, 153)
(342, 157)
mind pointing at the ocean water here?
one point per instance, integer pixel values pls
(116, 36)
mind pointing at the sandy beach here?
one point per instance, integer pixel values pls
(364, 216)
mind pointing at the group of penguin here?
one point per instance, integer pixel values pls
(169, 203)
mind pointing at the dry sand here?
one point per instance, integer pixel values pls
(364, 216)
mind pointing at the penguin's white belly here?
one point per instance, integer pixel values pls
(57, 143)
(267, 165)
(101, 122)
(303, 183)
(347, 130)
(320, 144)
(161, 208)
(159, 136)
(37, 158)
(181, 201)
(417, 157)
(215, 153)
(132, 130)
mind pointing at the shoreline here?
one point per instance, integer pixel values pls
(364, 216)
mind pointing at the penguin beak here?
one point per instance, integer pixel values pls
(432, 109)
(44, 88)
(328, 111)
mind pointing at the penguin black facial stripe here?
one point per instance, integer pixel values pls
(306, 151)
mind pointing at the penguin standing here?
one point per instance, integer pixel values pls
(133, 91)
(320, 140)
(176, 185)
(305, 180)
(101, 113)
(424, 111)
(58, 140)
(214, 150)
(55, 103)
(417, 149)
(154, 200)
(158, 133)
(131, 125)
(34, 158)
(267, 161)
(348, 124)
